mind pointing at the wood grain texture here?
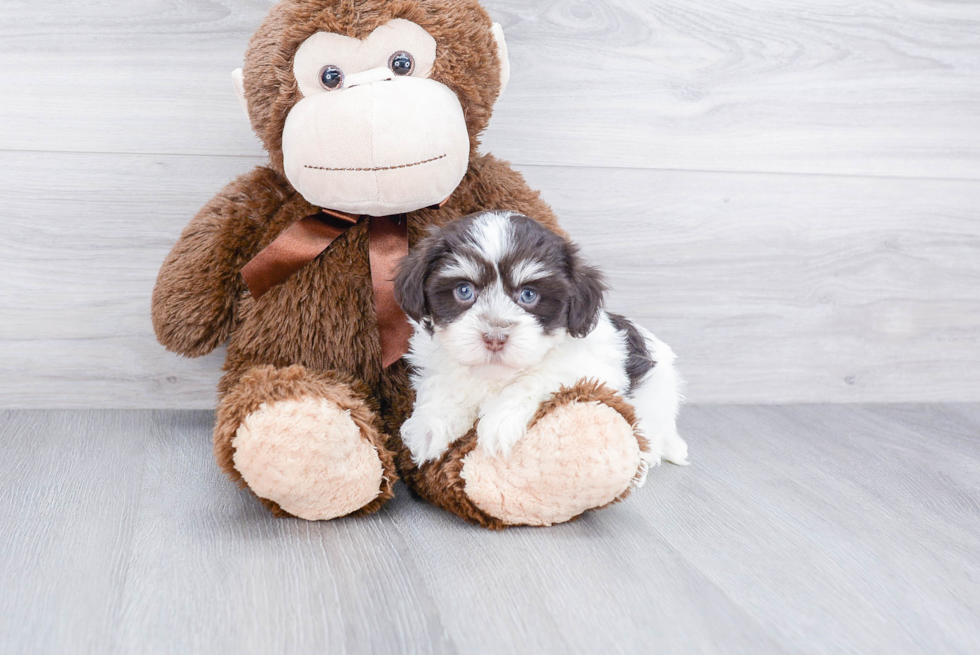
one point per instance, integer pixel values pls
(772, 288)
(809, 529)
(854, 278)
(883, 87)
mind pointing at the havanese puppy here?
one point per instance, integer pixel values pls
(505, 314)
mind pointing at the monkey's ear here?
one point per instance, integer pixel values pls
(498, 35)
(238, 79)
(588, 288)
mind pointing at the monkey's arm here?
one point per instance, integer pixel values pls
(199, 286)
(497, 186)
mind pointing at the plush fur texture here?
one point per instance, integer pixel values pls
(540, 485)
(404, 142)
(578, 457)
(264, 387)
(467, 60)
(440, 482)
(309, 457)
(310, 347)
(315, 336)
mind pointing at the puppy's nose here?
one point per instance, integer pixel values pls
(495, 342)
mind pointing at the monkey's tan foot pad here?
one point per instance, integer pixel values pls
(308, 456)
(580, 453)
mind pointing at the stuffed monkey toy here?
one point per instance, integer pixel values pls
(371, 112)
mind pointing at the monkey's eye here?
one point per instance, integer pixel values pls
(331, 78)
(401, 63)
(463, 292)
(528, 297)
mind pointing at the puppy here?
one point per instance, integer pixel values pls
(505, 314)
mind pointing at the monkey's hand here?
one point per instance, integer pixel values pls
(199, 285)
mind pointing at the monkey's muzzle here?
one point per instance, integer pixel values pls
(378, 146)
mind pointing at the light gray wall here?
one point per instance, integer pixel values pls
(786, 192)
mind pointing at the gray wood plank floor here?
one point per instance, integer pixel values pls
(803, 529)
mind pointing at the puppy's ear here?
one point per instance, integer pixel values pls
(411, 277)
(588, 288)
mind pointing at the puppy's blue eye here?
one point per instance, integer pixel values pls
(529, 296)
(463, 293)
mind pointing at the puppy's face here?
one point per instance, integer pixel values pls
(499, 290)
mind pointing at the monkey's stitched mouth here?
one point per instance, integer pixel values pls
(379, 168)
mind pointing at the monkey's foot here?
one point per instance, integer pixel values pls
(305, 443)
(580, 453)
(309, 457)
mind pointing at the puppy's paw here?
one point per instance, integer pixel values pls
(500, 429)
(675, 450)
(429, 435)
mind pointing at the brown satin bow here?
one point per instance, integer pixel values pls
(304, 240)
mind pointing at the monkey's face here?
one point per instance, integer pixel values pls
(373, 106)
(372, 134)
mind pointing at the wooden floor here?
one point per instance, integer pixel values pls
(804, 529)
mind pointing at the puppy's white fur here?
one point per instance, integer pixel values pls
(458, 381)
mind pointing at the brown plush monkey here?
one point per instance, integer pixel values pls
(371, 112)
